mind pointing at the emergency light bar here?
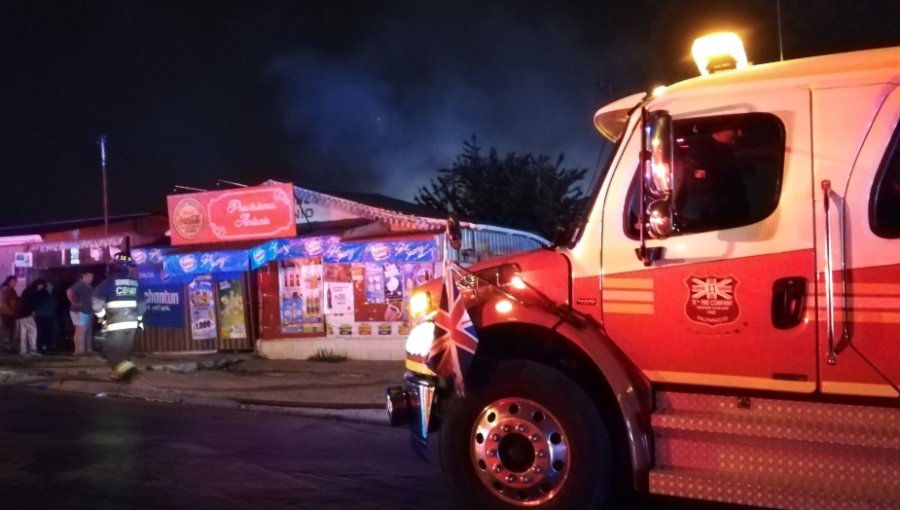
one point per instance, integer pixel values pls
(719, 52)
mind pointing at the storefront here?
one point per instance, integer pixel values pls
(60, 252)
(328, 272)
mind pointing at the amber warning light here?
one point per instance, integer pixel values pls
(719, 52)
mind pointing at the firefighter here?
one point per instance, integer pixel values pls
(120, 306)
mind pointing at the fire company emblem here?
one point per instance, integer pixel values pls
(712, 300)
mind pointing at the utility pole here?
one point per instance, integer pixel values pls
(102, 143)
(780, 45)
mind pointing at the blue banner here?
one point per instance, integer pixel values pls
(333, 251)
(154, 275)
(192, 264)
(142, 256)
(165, 306)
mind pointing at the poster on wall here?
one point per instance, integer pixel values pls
(203, 310)
(382, 290)
(300, 294)
(232, 324)
(338, 297)
(165, 306)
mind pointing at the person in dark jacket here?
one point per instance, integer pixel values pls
(45, 313)
(120, 305)
(9, 310)
(27, 325)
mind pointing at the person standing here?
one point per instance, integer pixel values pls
(45, 319)
(80, 307)
(27, 325)
(119, 304)
(9, 309)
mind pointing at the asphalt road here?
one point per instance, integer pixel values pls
(66, 451)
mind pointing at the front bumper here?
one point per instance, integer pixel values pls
(411, 404)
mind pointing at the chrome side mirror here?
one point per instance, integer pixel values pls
(659, 219)
(659, 154)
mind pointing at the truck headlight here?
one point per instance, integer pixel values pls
(420, 304)
(419, 341)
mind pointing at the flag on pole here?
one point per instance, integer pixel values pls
(455, 337)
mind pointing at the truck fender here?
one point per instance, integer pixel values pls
(630, 389)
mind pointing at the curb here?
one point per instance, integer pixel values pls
(103, 389)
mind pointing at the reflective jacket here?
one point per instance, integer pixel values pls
(119, 302)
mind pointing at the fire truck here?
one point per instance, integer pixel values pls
(723, 324)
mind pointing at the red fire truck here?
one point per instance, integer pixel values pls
(723, 325)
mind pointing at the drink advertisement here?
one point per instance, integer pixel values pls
(300, 291)
(203, 310)
(232, 324)
(338, 297)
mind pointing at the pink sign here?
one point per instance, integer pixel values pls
(259, 212)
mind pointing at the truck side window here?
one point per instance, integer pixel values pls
(728, 173)
(884, 207)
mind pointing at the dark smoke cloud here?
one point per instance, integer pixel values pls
(386, 115)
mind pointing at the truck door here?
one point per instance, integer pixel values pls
(726, 303)
(859, 150)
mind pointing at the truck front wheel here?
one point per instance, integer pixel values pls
(526, 436)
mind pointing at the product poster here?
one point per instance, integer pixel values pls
(203, 312)
(232, 324)
(301, 289)
(374, 283)
(338, 297)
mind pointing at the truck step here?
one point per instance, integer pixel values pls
(765, 491)
(776, 453)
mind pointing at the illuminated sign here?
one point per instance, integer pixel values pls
(259, 212)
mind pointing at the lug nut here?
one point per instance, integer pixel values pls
(506, 428)
(520, 428)
(535, 438)
(510, 478)
(492, 453)
(542, 453)
(495, 437)
(526, 479)
(538, 470)
(498, 468)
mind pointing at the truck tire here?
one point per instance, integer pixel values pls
(525, 435)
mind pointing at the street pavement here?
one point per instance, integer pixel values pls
(349, 390)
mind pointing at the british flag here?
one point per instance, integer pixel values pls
(456, 339)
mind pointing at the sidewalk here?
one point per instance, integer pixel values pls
(349, 390)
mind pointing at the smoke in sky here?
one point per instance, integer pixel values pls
(386, 115)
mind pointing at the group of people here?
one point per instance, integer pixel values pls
(34, 323)
(31, 320)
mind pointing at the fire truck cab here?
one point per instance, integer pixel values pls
(725, 323)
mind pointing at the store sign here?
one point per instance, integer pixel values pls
(165, 306)
(259, 212)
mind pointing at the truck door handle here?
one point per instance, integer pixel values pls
(788, 301)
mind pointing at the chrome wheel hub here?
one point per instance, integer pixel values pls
(520, 451)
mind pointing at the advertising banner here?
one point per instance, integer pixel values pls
(258, 212)
(190, 264)
(300, 291)
(203, 310)
(333, 251)
(165, 306)
(232, 323)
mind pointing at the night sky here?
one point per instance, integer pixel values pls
(361, 96)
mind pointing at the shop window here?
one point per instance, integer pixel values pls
(884, 207)
(728, 173)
